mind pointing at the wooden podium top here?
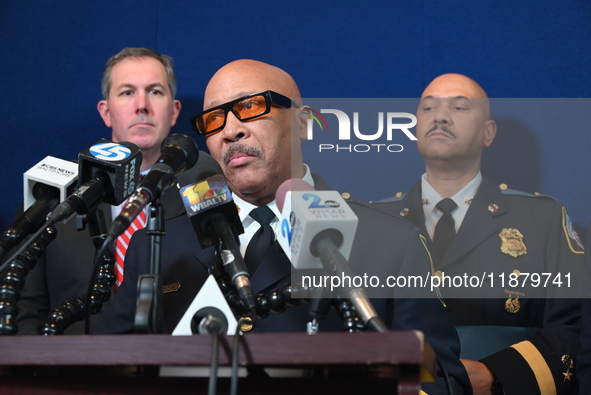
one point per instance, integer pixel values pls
(390, 348)
(393, 362)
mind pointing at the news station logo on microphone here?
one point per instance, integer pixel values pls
(205, 194)
(121, 162)
(305, 215)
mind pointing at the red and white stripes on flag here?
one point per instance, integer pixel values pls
(122, 243)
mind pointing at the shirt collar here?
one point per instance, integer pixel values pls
(462, 198)
(245, 207)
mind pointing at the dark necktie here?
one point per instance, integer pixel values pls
(445, 229)
(262, 240)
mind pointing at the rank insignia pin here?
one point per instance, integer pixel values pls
(512, 242)
(568, 361)
(168, 288)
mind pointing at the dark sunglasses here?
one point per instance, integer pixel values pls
(245, 108)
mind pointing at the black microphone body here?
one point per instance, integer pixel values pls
(47, 198)
(179, 152)
(322, 226)
(326, 246)
(232, 259)
(45, 185)
(215, 221)
(107, 172)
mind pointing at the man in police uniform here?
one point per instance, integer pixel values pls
(513, 339)
(257, 153)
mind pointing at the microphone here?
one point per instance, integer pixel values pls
(308, 216)
(45, 185)
(178, 152)
(107, 172)
(209, 320)
(214, 217)
(319, 234)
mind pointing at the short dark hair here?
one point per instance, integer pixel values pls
(166, 61)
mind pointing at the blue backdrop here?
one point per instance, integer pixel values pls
(52, 54)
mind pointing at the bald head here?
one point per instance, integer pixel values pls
(457, 85)
(245, 76)
(453, 128)
(260, 153)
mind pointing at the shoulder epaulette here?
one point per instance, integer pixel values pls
(395, 198)
(508, 191)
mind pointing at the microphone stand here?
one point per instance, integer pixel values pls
(13, 279)
(99, 286)
(148, 314)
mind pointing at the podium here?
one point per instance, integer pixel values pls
(365, 363)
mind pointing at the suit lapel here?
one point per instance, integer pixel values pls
(274, 268)
(412, 202)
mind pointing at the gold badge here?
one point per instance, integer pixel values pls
(512, 242)
(168, 288)
(425, 202)
(404, 212)
(493, 208)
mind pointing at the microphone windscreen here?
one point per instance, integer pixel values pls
(186, 144)
(294, 184)
(205, 167)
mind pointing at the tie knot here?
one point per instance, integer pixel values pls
(263, 215)
(446, 206)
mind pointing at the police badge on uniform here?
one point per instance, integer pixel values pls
(512, 242)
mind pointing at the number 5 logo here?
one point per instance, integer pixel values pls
(110, 151)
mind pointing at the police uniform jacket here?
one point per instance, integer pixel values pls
(185, 266)
(534, 338)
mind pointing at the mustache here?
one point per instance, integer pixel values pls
(242, 148)
(441, 128)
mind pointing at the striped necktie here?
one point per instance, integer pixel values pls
(122, 243)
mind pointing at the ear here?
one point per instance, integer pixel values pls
(304, 115)
(103, 109)
(490, 131)
(176, 109)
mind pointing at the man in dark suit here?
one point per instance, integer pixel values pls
(138, 86)
(516, 339)
(257, 152)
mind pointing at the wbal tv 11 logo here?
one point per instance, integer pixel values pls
(350, 136)
(205, 194)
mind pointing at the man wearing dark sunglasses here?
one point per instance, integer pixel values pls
(253, 122)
